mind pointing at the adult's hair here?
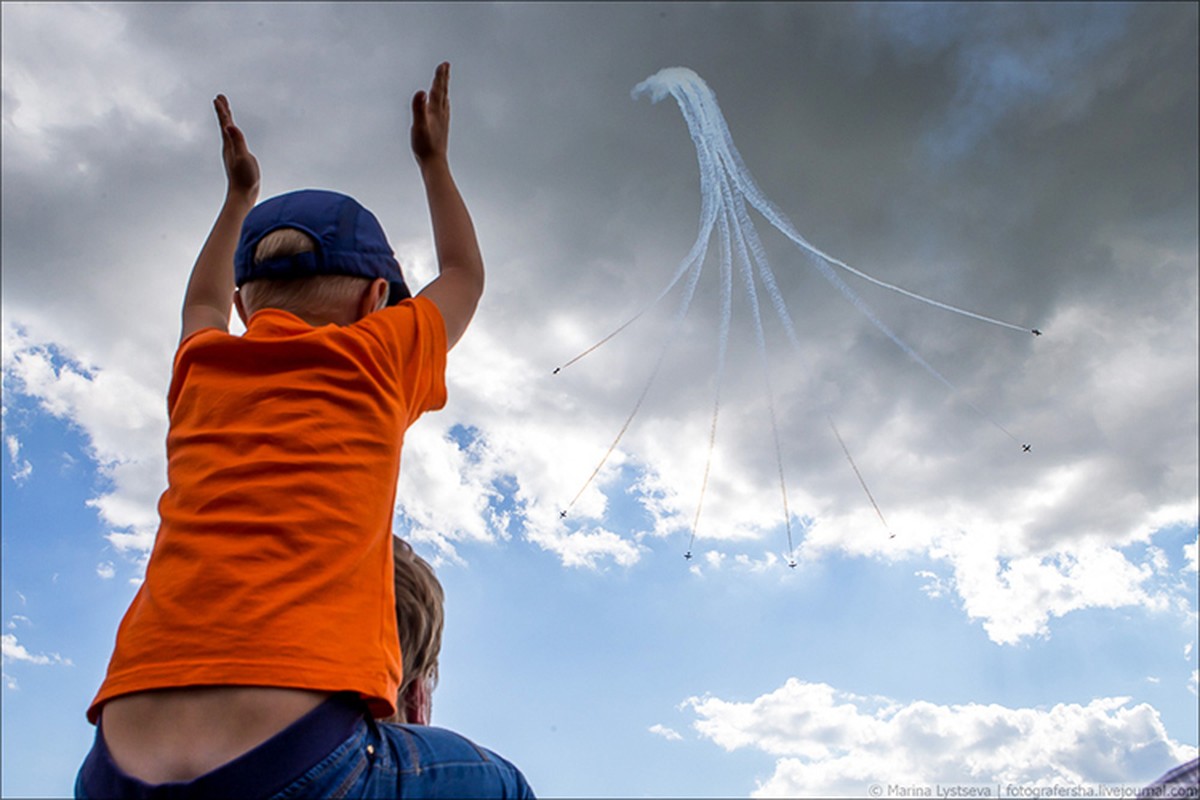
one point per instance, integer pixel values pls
(316, 295)
(419, 616)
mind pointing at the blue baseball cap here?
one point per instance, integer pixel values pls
(349, 241)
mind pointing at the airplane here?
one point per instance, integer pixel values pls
(1035, 332)
(562, 515)
(556, 369)
(688, 555)
(792, 564)
(1025, 448)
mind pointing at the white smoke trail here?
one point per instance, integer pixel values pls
(722, 349)
(688, 88)
(676, 325)
(699, 250)
(752, 295)
(858, 475)
(726, 185)
(708, 129)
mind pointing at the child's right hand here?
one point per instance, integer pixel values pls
(431, 117)
(241, 167)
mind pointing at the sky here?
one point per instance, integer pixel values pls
(1032, 622)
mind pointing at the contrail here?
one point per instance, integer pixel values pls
(858, 474)
(720, 161)
(752, 295)
(722, 349)
(689, 292)
(727, 189)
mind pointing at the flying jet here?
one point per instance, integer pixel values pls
(562, 515)
(1035, 332)
(1025, 448)
(688, 555)
(792, 564)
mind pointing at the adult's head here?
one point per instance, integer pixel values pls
(419, 619)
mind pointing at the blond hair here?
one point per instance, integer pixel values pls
(419, 616)
(320, 295)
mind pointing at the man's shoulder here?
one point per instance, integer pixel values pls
(483, 771)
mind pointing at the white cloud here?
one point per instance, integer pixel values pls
(667, 733)
(768, 562)
(833, 743)
(18, 618)
(586, 548)
(123, 420)
(9, 681)
(1016, 595)
(22, 469)
(513, 468)
(106, 570)
(1157, 559)
(1189, 553)
(13, 650)
(50, 83)
(934, 586)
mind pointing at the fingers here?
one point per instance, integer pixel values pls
(439, 93)
(230, 135)
(438, 96)
(236, 138)
(224, 115)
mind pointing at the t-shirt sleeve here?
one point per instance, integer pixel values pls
(413, 335)
(183, 357)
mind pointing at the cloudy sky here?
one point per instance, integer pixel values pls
(1033, 619)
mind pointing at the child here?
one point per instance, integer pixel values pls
(263, 641)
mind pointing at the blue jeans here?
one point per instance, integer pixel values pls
(315, 758)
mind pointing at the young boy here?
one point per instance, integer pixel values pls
(263, 641)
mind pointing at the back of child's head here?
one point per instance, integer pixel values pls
(316, 296)
(313, 252)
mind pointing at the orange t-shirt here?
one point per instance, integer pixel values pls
(273, 560)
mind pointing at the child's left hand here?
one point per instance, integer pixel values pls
(241, 167)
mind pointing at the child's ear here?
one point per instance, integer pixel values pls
(374, 298)
(241, 308)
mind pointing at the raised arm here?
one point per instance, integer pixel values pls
(209, 297)
(459, 284)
